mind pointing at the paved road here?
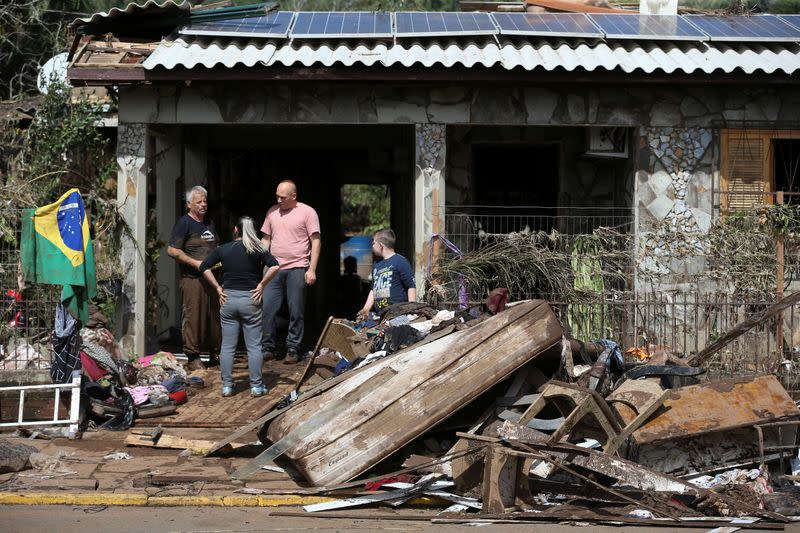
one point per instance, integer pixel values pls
(69, 519)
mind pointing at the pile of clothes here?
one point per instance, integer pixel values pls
(117, 389)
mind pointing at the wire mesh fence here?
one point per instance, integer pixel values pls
(26, 316)
(593, 276)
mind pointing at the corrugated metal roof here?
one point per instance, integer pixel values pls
(151, 6)
(629, 56)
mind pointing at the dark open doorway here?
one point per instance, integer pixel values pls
(246, 164)
(787, 168)
(513, 176)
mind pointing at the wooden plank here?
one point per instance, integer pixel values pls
(314, 353)
(206, 408)
(743, 327)
(309, 426)
(263, 420)
(177, 443)
(437, 357)
(429, 386)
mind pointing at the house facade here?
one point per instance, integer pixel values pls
(473, 134)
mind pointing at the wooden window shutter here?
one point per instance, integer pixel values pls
(746, 172)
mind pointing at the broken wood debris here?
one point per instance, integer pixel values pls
(551, 442)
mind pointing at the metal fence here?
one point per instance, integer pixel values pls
(471, 226)
(26, 316)
(682, 314)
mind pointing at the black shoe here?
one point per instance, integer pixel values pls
(292, 356)
(268, 355)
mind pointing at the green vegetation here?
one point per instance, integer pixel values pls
(754, 6)
(365, 208)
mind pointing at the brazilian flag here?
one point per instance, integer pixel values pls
(56, 250)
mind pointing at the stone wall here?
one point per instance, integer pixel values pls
(674, 157)
(583, 181)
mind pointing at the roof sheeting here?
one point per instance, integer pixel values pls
(628, 57)
(150, 7)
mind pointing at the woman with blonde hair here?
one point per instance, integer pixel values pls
(247, 267)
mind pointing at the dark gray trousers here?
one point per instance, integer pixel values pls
(291, 285)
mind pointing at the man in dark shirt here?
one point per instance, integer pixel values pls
(193, 238)
(392, 277)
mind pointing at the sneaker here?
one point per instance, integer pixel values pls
(195, 364)
(292, 356)
(268, 355)
(259, 390)
(227, 391)
(213, 360)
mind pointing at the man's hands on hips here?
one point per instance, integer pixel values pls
(311, 277)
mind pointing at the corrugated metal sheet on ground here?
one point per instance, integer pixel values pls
(629, 57)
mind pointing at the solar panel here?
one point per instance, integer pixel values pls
(794, 20)
(342, 24)
(651, 27)
(419, 24)
(546, 24)
(271, 25)
(741, 28)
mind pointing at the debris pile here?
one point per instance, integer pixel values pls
(503, 418)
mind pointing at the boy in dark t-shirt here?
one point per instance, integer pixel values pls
(392, 277)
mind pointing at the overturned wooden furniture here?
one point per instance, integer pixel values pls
(380, 408)
(575, 403)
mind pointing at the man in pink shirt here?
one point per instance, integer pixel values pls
(291, 234)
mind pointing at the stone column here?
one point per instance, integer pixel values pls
(429, 187)
(132, 158)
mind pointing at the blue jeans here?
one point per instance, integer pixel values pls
(240, 312)
(291, 285)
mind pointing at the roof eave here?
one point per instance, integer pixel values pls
(413, 75)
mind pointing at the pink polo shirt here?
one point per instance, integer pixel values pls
(290, 233)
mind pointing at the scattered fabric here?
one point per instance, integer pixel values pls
(91, 367)
(497, 300)
(99, 354)
(400, 337)
(139, 395)
(152, 375)
(105, 339)
(401, 478)
(124, 420)
(66, 346)
(374, 356)
(158, 395)
(179, 397)
(118, 456)
(174, 384)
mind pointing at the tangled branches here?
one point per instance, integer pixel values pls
(550, 265)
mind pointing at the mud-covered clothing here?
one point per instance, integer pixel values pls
(391, 279)
(200, 326)
(241, 271)
(196, 239)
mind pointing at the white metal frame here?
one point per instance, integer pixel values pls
(74, 409)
